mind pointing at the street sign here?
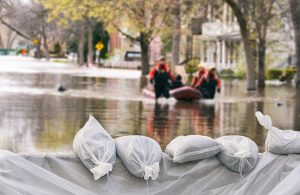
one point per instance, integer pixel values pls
(99, 46)
(35, 41)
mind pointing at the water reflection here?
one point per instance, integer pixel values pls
(158, 123)
(35, 117)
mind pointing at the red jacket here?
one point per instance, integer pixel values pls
(158, 67)
(215, 77)
(199, 77)
(202, 75)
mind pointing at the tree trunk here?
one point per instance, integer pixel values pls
(38, 52)
(295, 11)
(176, 34)
(249, 60)
(1, 42)
(45, 44)
(189, 43)
(11, 42)
(81, 47)
(261, 63)
(8, 37)
(144, 43)
(90, 45)
(246, 42)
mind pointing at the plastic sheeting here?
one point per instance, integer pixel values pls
(65, 174)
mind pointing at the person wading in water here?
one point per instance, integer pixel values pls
(160, 76)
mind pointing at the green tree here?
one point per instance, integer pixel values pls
(147, 17)
(101, 35)
(83, 13)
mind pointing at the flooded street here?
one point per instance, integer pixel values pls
(36, 117)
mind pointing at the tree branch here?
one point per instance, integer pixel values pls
(136, 39)
(14, 29)
(240, 16)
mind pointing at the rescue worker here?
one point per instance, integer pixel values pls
(160, 76)
(206, 82)
(213, 83)
(200, 76)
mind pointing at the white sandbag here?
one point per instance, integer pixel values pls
(192, 147)
(279, 141)
(95, 148)
(238, 153)
(140, 155)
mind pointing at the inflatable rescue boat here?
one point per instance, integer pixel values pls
(185, 93)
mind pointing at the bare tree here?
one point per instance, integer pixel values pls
(29, 21)
(183, 13)
(261, 14)
(239, 11)
(176, 32)
(9, 13)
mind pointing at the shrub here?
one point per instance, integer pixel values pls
(57, 48)
(240, 74)
(273, 73)
(285, 74)
(231, 74)
(226, 73)
(191, 66)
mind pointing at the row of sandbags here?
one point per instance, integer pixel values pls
(141, 155)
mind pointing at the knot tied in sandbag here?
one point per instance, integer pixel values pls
(151, 171)
(243, 150)
(101, 170)
(238, 153)
(140, 155)
(95, 148)
(279, 141)
(264, 120)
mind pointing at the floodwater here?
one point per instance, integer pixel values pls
(37, 118)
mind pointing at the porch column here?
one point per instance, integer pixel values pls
(218, 53)
(202, 51)
(223, 54)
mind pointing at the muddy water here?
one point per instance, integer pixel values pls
(35, 117)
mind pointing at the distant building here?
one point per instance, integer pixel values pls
(217, 42)
(220, 41)
(213, 36)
